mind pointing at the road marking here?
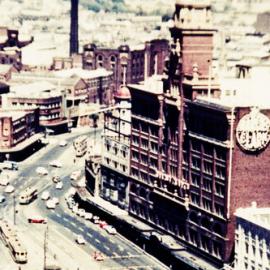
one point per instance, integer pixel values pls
(72, 223)
(107, 247)
(111, 241)
(90, 235)
(97, 240)
(65, 219)
(81, 229)
(57, 214)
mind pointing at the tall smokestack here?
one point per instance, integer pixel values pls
(74, 43)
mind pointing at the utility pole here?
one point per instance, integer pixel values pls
(45, 247)
(14, 209)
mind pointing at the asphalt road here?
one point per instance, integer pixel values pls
(63, 225)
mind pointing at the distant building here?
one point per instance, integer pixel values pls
(40, 95)
(139, 62)
(252, 239)
(10, 45)
(18, 131)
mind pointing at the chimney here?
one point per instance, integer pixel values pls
(74, 43)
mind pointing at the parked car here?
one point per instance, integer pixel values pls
(10, 165)
(56, 178)
(102, 224)
(80, 240)
(4, 181)
(110, 229)
(55, 163)
(45, 195)
(81, 212)
(75, 175)
(37, 219)
(9, 189)
(63, 143)
(88, 216)
(98, 256)
(41, 170)
(59, 185)
(95, 219)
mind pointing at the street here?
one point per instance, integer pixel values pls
(54, 242)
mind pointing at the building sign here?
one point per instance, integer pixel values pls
(253, 131)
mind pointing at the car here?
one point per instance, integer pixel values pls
(2, 198)
(9, 189)
(59, 185)
(81, 212)
(95, 219)
(63, 143)
(88, 216)
(70, 204)
(37, 219)
(56, 178)
(41, 170)
(55, 200)
(110, 229)
(45, 195)
(4, 181)
(10, 165)
(75, 175)
(55, 163)
(102, 224)
(50, 204)
(80, 240)
(98, 256)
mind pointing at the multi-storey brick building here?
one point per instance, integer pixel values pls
(10, 45)
(194, 153)
(139, 62)
(40, 95)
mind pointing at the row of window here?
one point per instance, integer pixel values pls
(192, 236)
(115, 164)
(207, 204)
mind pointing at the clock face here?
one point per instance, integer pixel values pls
(253, 131)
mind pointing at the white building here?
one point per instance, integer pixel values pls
(252, 239)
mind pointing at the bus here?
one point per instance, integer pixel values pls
(28, 195)
(80, 145)
(11, 240)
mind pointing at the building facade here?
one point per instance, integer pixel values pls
(252, 239)
(139, 62)
(193, 157)
(115, 159)
(43, 96)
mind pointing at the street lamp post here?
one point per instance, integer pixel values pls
(45, 248)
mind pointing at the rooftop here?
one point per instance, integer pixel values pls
(152, 85)
(34, 90)
(258, 216)
(82, 73)
(13, 114)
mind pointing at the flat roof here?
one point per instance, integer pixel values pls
(40, 89)
(13, 114)
(258, 216)
(82, 73)
(153, 84)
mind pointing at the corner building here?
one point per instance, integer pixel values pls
(197, 154)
